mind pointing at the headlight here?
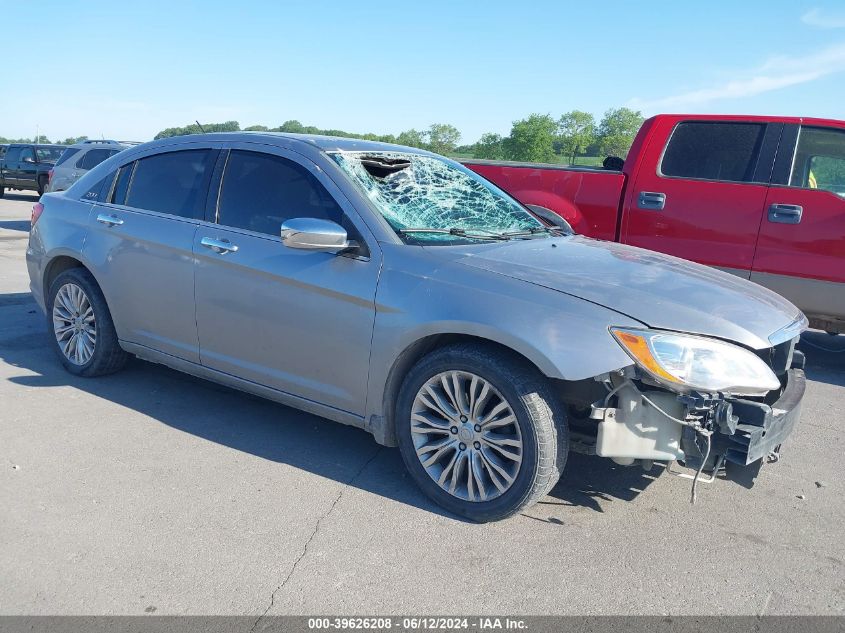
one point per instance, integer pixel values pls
(684, 362)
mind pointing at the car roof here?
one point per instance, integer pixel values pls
(323, 143)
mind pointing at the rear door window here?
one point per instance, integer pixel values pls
(713, 151)
(173, 182)
(13, 155)
(27, 155)
(94, 157)
(260, 191)
(819, 161)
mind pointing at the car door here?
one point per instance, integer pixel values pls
(27, 173)
(298, 321)
(140, 245)
(801, 250)
(704, 201)
(10, 165)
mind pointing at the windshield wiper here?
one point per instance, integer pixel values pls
(480, 234)
(535, 231)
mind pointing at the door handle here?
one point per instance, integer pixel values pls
(219, 246)
(785, 213)
(109, 220)
(651, 200)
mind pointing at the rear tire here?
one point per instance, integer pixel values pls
(42, 185)
(80, 325)
(451, 451)
(2, 192)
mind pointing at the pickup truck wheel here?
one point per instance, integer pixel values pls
(42, 185)
(2, 192)
(480, 431)
(81, 327)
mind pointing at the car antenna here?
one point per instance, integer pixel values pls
(200, 127)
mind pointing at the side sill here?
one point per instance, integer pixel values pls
(228, 380)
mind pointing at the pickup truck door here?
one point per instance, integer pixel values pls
(10, 166)
(27, 173)
(700, 196)
(801, 249)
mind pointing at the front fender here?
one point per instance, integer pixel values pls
(564, 337)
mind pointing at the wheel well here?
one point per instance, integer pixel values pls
(57, 266)
(413, 353)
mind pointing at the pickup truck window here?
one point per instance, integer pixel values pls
(819, 161)
(13, 155)
(713, 151)
(48, 154)
(27, 155)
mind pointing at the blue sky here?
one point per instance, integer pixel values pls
(127, 70)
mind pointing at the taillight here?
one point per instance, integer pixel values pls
(37, 210)
(49, 176)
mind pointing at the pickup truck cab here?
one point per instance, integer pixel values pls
(26, 166)
(760, 197)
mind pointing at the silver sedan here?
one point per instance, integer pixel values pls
(394, 290)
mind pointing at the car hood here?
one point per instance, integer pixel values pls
(658, 290)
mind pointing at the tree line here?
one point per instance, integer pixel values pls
(539, 138)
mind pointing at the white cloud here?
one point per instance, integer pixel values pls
(819, 19)
(776, 73)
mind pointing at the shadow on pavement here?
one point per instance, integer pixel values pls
(277, 433)
(22, 196)
(15, 225)
(825, 357)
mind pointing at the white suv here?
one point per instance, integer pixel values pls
(78, 159)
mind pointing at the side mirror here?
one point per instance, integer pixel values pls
(28, 159)
(315, 235)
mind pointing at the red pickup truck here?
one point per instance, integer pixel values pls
(760, 197)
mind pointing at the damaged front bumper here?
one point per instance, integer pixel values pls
(702, 431)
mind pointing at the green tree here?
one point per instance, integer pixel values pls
(532, 139)
(256, 128)
(617, 130)
(489, 146)
(72, 140)
(577, 131)
(412, 138)
(442, 138)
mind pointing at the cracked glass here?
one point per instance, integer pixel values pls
(413, 191)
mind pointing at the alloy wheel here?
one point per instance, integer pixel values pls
(74, 324)
(466, 436)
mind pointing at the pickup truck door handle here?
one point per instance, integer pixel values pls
(651, 201)
(785, 213)
(109, 220)
(219, 246)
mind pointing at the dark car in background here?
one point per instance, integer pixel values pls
(26, 166)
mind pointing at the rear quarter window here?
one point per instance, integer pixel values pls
(713, 151)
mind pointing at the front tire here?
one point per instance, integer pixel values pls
(81, 328)
(480, 431)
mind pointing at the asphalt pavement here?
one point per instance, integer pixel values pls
(152, 492)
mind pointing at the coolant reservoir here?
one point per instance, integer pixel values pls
(636, 430)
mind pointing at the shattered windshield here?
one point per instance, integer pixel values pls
(430, 200)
